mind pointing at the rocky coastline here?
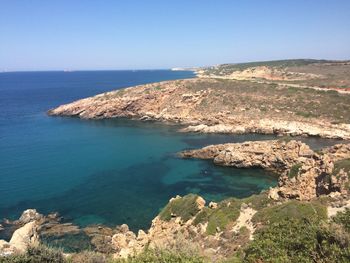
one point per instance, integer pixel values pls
(208, 106)
(214, 230)
(309, 182)
(303, 173)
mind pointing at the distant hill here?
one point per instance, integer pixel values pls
(276, 63)
(329, 74)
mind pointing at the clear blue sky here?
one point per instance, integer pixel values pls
(130, 34)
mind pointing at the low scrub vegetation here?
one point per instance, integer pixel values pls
(343, 219)
(40, 254)
(299, 240)
(292, 209)
(163, 256)
(43, 254)
(342, 164)
(186, 207)
(294, 170)
(290, 232)
(272, 101)
(220, 218)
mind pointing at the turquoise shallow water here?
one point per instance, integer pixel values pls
(106, 171)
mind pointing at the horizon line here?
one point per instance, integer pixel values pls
(179, 68)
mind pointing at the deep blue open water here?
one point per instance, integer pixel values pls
(105, 171)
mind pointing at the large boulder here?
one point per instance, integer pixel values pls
(29, 215)
(25, 236)
(21, 239)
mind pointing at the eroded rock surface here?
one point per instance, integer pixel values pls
(275, 155)
(212, 106)
(187, 235)
(303, 174)
(24, 236)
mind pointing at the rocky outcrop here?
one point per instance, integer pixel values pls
(274, 155)
(337, 152)
(178, 234)
(206, 106)
(33, 228)
(275, 126)
(303, 174)
(26, 234)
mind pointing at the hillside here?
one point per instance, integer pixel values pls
(224, 106)
(323, 74)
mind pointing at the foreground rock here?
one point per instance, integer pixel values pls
(213, 106)
(26, 234)
(303, 174)
(274, 155)
(172, 229)
(180, 226)
(33, 228)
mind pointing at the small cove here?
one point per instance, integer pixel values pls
(104, 171)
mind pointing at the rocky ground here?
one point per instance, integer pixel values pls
(223, 106)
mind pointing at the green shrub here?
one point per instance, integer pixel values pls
(342, 164)
(306, 114)
(163, 256)
(343, 218)
(186, 207)
(291, 209)
(297, 240)
(221, 217)
(39, 254)
(233, 259)
(259, 201)
(345, 165)
(294, 170)
(87, 257)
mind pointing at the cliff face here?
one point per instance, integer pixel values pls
(209, 105)
(303, 174)
(274, 155)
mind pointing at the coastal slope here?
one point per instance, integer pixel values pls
(223, 106)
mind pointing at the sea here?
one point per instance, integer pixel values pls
(106, 172)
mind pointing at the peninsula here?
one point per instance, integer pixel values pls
(296, 97)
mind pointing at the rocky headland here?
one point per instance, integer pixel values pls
(223, 106)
